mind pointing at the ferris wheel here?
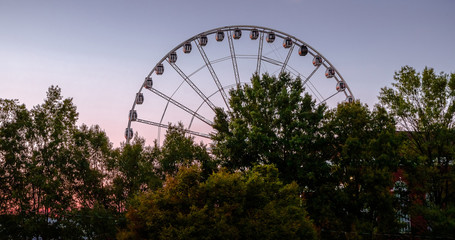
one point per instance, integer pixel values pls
(195, 77)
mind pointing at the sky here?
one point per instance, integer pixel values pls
(98, 52)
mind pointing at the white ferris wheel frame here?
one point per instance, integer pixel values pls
(222, 89)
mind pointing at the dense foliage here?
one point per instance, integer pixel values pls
(254, 205)
(362, 154)
(423, 105)
(271, 122)
(280, 166)
(60, 180)
(343, 159)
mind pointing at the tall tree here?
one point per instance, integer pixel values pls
(132, 170)
(14, 135)
(423, 105)
(50, 170)
(272, 121)
(363, 152)
(90, 152)
(15, 125)
(54, 122)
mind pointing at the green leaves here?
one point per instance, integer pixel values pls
(424, 106)
(270, 123)
(49, 167)
(254, 205)
(180, 150)
(420, 101)
(363, 154)
(342, 159)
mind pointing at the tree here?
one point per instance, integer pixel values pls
(272, 121)
(423, 105)
(132, 170)
(54, 122)
(91, 152)
(363, 151)
(254, 205)
(179, 149)
(51, 171)
(15, 125)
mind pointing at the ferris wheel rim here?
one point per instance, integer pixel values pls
(263, 30)
(248, 27)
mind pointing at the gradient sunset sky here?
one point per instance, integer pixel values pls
(99, 51)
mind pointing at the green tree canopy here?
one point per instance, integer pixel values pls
(363, 152)
(50, 169)
(272, 121)
(180, 149)
(251, 205)
(424, 106)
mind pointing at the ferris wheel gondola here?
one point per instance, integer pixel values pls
(185, 94)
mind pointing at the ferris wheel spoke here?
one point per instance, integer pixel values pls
(213, 73)
(315, 91)
(234, 59)
(323, 101)
(271, 58)
(166, 107)
(212, 62)
(195, 88)
(204, 66)
(311, 74)
(181, 106)
(167, 102)
(272, 61)
(220, 60)
(261, 44)
(287, 58)
(160, 125)
(211, 95)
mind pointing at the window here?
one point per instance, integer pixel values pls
(400, 191)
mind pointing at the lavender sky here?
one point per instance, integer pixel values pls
(99, 51)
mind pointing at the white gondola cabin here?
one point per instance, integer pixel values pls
(254, 34)
(329, 72)
(287, 43)
(237, 34)
(349, 99)
(139, 98)
(341, 86)
(148, 83)
(270, 37)
(219, 36)
(303, 51)
(317, 60)
(128, 133)
(172, 57)
(133, 115)
(159, 69)
(187, 47)
(203, 40)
